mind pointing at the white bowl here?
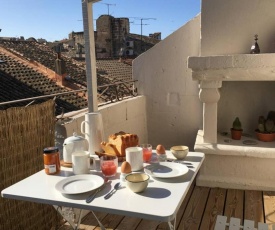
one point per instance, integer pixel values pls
(137, 182)
(180, 151)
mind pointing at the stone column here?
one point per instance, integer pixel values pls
(209, 95)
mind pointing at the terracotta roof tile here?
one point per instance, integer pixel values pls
(109, 71)
(18, 81)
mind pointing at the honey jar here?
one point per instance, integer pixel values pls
(51, 160)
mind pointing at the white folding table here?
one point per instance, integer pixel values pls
(160, 201)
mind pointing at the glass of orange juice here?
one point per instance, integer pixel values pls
(147, 152)
(108, 165)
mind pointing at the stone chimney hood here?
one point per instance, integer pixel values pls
(231, 164)
(239, 67)
(211, 71)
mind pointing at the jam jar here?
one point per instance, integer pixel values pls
(51, 160)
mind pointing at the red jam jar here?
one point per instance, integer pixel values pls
(51, 160)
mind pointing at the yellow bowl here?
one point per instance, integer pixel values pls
(137, 182)
(180, 151)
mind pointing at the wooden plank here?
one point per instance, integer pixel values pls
(110, 221)
(129, 223)
(269, 208)
(194, 210)
(234, 204)
(214, 207)
(165, 226)
(148, 225)
(254, 206)
(66, 226)
(89, 222)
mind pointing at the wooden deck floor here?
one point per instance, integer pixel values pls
(199, 211)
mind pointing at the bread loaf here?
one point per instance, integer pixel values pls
(118, 142)
(120, 159)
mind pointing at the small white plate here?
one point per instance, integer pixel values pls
(79, 184)
(166, 169)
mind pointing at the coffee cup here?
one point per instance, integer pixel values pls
(134, 155)
(81, 162)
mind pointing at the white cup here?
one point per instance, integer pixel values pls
(92, 127)
(134, 156)
(81, 162)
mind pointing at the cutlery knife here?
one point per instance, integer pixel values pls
(90, 198)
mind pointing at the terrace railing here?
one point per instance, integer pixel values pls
(111, 91)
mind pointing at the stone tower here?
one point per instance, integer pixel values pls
(111, 34)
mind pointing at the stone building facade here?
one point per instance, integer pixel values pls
(112, 39)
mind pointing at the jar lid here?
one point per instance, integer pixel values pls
(50, 150)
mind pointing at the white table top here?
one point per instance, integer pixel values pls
(160, 201)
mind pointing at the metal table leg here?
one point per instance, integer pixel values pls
(76, 226)
(172, 224)
(100, 224)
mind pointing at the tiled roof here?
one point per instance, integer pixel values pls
(114, 69)
(44, 55)
(109, 71)
(19, 81)
(76, 70)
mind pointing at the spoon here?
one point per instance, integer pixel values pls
(117, 185)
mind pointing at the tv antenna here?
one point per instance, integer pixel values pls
(108, 5)
(141, 25)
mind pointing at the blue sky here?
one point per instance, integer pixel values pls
(55, 19)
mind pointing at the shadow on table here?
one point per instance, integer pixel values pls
(157, 193)
(193, 159)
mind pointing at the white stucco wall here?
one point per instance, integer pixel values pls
(128, 115)
(228, 27)
(174, 112)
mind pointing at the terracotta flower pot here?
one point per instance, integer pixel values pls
(236, 134)
(266, 137)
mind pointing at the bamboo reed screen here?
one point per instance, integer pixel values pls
(24, 132)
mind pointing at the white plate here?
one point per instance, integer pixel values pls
(79, 184)
(166, 169)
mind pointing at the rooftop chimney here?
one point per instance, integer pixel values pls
(60, 69)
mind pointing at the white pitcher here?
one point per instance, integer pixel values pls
(92, 127)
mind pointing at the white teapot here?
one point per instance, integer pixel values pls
(73, 144)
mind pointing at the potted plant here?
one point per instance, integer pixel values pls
(266, 127)
(236, 130)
